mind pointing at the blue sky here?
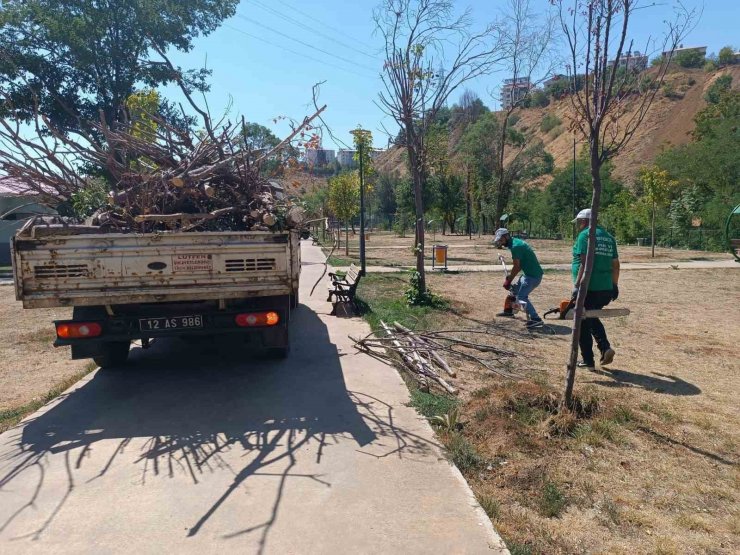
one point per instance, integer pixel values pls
(266, 59)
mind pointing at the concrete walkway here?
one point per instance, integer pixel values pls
(689, 265)
(184, 451)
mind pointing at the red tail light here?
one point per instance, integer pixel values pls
(254, 319)
(78, 330)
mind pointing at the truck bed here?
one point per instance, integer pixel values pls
(111, 269)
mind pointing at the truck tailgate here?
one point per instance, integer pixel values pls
(79, 270)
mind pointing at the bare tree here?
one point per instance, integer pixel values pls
(429, 53)
(526, 42)
(610, 108)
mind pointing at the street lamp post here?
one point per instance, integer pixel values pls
(362, 210)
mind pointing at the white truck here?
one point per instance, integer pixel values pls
(126, 287)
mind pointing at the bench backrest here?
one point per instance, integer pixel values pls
(353, 274)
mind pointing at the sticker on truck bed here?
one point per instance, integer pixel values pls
(192, 263)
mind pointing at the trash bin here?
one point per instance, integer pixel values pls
(439, 257)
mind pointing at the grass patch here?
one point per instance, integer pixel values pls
(431, 405)
(482, 393)
(11, 417)
(594, 433)
(462, 453)
(381, 297)
(340, 261)
(490, 505)
(552, 500)
(518, 548)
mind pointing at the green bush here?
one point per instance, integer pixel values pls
(727, 56)
(669, 91)
(552, 500)
(689, 58)
(549, 122)
(538, 99)
(710, 66)
(722, 84)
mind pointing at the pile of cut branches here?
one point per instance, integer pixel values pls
(160, 177)
(420, 353)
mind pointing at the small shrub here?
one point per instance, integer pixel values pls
(714, 93)
(669, 91)
(514, 119)
(555, 133)
(691, 82)
(449, 422)
(483, 414)
(490, 505)
(539, 99)
(415, 297)
(482, 393)
(463, 454)
(624, 415)
(710, 66)
(552, 500)
(549, 122)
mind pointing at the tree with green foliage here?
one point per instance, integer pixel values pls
(689, 58)
(721, 85)
(344, 200)
(727, 56)
(657, 186)
(78, 57)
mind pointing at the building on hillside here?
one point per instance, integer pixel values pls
(635, 60)
(318, 157)
(701, 50)
(16, 208)
(552, 80)
(375, 153)
(513, 91)
(346, 157)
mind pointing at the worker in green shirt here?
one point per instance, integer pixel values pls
(525, 260)
(602, 289)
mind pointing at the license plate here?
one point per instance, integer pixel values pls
(173, 323)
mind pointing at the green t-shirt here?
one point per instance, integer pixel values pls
(521, 251)
(606, 251)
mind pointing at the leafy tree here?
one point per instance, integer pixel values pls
(258, 137)
(657, 186)
(385, 198)
(449, 199)
(538, 99)
(722, 84)
(77, 57)
(726, 56)
(689, 58)
(344, 200)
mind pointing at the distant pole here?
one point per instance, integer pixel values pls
(362, 210)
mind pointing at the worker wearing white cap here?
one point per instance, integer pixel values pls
(602, 288)
(525, 260)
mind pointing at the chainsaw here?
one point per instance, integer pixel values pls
(561, 310)
(565, 310)
(510, 303)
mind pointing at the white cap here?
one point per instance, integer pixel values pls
(500, 233)
(584, 214)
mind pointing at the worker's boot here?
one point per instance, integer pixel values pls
(608, 356)
(591, 367)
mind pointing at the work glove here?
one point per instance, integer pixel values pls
(574, 294)
(615, 292)
(507, 284)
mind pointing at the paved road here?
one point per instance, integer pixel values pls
(689, 265)
(187, 453)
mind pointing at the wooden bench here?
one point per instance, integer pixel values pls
(343, 288)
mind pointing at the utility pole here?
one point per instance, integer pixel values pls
(362, 209)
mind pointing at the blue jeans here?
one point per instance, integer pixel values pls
(522, 289)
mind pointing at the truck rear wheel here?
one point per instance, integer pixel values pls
(113, 354)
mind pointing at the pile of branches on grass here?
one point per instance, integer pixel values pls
(420, 353)
(161, 177)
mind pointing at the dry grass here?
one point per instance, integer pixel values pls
(388, 249)
(652, 463)
(30, 366)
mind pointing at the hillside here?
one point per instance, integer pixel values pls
(669, 123)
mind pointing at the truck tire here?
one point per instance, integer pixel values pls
(114, 354)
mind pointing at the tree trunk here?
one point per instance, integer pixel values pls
(652, 234)
(583, 289)
(468, 222)
(416, 173)
(346, 239)
(502, 194)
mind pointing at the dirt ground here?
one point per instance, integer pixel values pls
(656, 469)
(387, 249)
(29, 365)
